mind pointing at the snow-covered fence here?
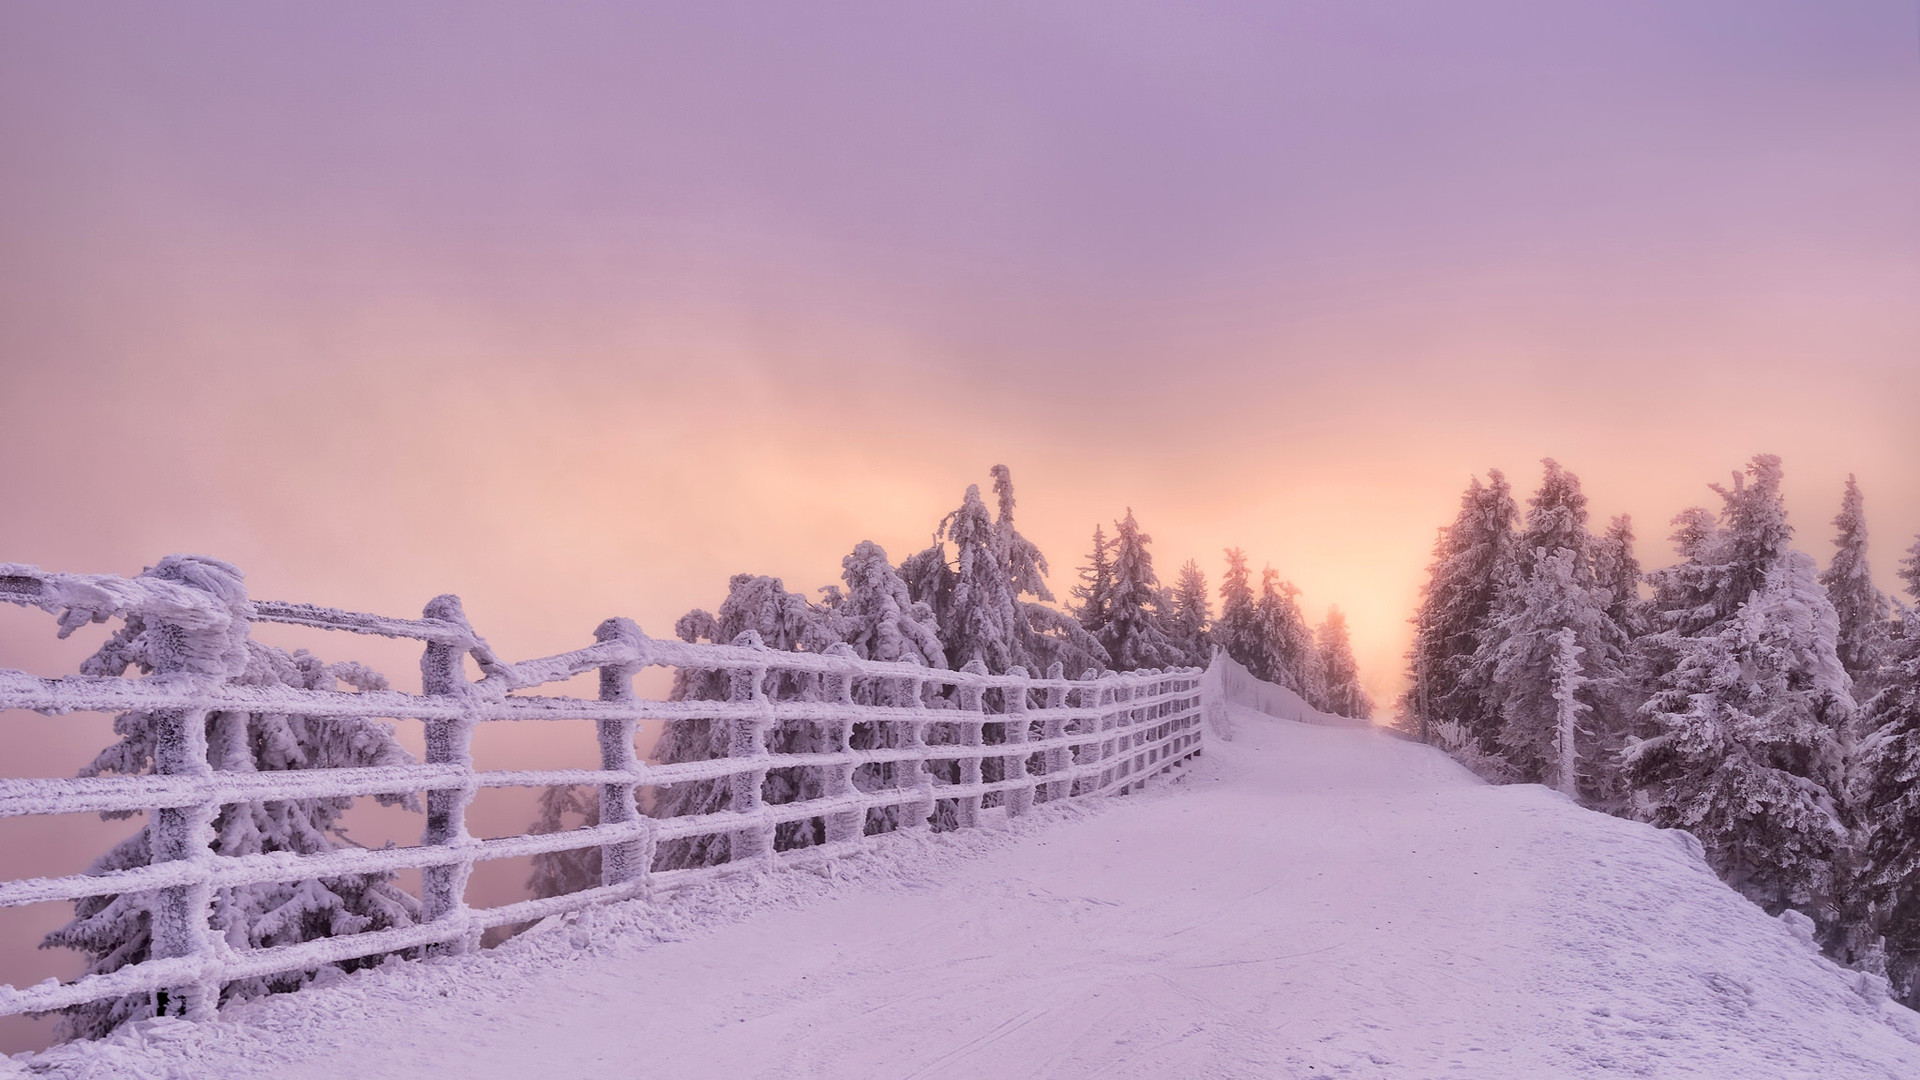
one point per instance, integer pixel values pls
(1058, 738)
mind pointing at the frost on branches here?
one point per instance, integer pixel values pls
(1344, 695)
(758, 611)
(990, 599)
(1286, 652)
(1887, 904)
(1743, 732)
(872, 614)
(115, 931)
(1861, 608)
(1192, 616)
(1552, 591)
(1135, 635)
(1238, 630)
(1471, 559)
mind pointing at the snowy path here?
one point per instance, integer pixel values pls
(1306, 902)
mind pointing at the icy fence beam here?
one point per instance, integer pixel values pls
(1093, 736)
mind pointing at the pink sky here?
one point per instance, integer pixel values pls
(576, 311)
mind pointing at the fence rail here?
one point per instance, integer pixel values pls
(1059, 738)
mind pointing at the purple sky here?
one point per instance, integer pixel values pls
(577, 310)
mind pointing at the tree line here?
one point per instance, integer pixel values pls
(976, 597)
(1770, 708)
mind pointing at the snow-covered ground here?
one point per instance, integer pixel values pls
(1307, 901)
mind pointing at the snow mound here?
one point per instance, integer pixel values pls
(1305, 901)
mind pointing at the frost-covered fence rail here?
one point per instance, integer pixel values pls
(950, 745)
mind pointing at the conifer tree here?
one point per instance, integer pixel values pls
(1743, 729)
(980, 599)
(758, 610)
(1192, 615)
(1553, 590)
(562, 808)
(1269, 621)
(1344, 694)
(1861, 608)
(114, 931)
(1095, 591)
(1287, 654)
(879, 620)
(1135, 636)
(1472, 558)
(1556, 520)
(1238, 630)
(1617, 570)
(1884, 904)
(1554, 651)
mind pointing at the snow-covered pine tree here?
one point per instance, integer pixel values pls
(1552, 589)
(1556, 521)
(980, 599)
(1862, 609)
(560, 809)
(113, 931)
(983, 611)
(1617, 570)
(1269, 629)
(1287, 654)
(1344, 694)
(1471, 559)
(1192, 615)
(1884, 904)
(1749, 707)
(877, 616)
(1135, 635)
(1094, 593)
(758, 609)
(1238, 631)
(1540, 622)
(879, 619)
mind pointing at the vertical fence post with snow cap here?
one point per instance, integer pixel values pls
(449, 741)
(198, 646)
(1019, 799)
(1108, 745)
(749, 741)
(918, 768)
(843, 825)
(973, 702)
(623, 860)
(1059, 758)
(1086, 753)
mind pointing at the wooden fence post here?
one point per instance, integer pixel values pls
(1090, 693)
(181, 914)
(1059, 758)
(972, 701)
(846, 824)
(625, 860)
(449, 741)
(1019, 799)
(755, 840)
(919, 813)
